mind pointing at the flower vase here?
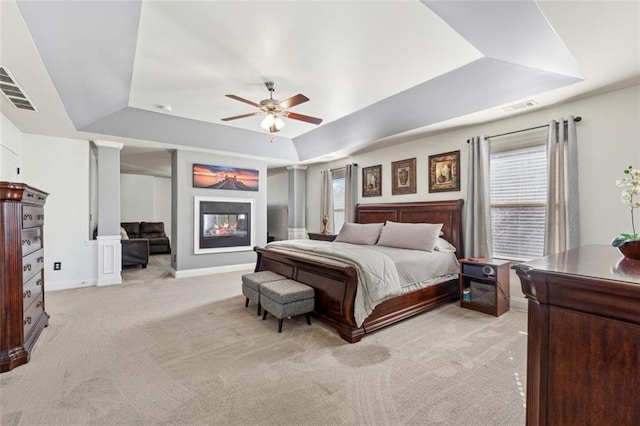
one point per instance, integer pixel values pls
(631, 249)
(325, 220)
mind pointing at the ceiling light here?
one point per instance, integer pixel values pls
(272, 123)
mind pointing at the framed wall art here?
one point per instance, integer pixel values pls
(221, 177)
(444, 172)
(372, 181)
(403, 177)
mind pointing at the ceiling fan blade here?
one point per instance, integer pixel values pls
(302, 117)
(293, 101)
(241, 116)
(246, 101)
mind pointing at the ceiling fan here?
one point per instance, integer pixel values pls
(274, 110)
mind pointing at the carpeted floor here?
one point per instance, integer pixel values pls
(187, 351)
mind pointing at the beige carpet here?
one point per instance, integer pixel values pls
(187, 351)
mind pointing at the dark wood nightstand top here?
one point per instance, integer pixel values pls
(321, 237)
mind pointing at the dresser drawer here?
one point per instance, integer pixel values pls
(31, 315)
(32, 216)
(31, 290)
(32, 264)
(31, 240)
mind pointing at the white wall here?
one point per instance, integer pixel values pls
(608, 141)
(61, 167)
(10, 150)
(145, 199)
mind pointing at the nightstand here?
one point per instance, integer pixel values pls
(321, 237)
(484, 285)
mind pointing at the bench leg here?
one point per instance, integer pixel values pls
(246, 302)
(280, 325)
(308, 316)
(259, 309)
(264, 316)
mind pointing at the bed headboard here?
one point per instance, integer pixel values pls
(449, 213)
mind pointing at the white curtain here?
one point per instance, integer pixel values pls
(350, 192)
(326, 198)
(478, 240)
(562, 219)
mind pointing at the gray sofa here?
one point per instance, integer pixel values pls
(135, 252)
(152, 231)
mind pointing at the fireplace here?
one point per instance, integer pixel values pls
(223, 224)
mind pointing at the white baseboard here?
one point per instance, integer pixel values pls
(66, 285)
(213, 270)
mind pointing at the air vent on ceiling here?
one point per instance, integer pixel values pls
(520, 106)
(13, 92)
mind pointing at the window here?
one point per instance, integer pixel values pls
(518, 200)
(338, 180)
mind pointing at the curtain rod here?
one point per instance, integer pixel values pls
(343, 167)
(577, 120)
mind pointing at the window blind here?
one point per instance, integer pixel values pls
(518, 183)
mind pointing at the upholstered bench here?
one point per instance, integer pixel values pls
(286, 298)
(251, 285)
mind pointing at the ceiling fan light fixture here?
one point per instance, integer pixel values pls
(278, 123)
(275, 110)
(267, 122)
(271, 122)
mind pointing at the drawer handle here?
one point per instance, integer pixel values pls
(26, 321)
(26, 267)
(40, 304)
(39, 282)
(26, 294)
(27, 242)
(29, 194)
(40, 197)
(28, 216)
(40, 217)
(40, 259)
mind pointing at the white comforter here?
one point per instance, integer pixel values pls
(378, 277)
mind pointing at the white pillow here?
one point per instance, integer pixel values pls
(359, 233)
(415, 236)
(444, 246)
(123, 234)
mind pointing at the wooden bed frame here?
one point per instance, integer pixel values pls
(335, 283)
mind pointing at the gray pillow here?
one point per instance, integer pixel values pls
(415, 236)
(444, 246)
(359, 233)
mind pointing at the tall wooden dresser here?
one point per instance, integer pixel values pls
(22, 313)
(583, 355)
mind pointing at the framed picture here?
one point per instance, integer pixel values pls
(444, 172)
(372, 181)
(221, 177)
(403, 177)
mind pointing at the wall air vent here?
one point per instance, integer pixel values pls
(13, 92)
(520, 106)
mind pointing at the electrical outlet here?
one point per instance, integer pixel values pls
(57, 266)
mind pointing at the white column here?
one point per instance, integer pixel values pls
(297, 209)
(109, 246)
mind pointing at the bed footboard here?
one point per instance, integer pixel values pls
(334, 283)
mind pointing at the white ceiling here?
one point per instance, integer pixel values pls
(373, 70)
